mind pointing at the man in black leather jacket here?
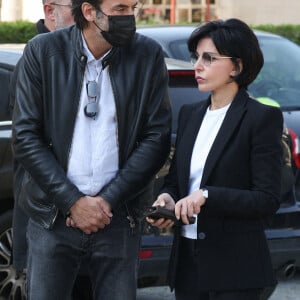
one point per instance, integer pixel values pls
(91, 127)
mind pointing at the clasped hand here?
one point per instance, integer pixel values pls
(184, 208)
(89, 214)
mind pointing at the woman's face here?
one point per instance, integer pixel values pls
(212, 71)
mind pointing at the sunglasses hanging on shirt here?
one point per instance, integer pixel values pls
(91, 109)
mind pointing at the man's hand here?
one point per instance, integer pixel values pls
(89, 214)
(165, 200)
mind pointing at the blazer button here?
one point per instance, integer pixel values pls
(201, 235)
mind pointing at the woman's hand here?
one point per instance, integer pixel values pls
(189, 206)
(165, 200)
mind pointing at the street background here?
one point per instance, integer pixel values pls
(286, 290)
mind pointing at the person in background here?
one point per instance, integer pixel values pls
(57, 15)
(91, 128)
(226, 172)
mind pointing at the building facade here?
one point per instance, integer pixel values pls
(186, 11)
(13, 10)
(258, 12)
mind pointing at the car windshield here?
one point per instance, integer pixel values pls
(279, 79)
(180, 50)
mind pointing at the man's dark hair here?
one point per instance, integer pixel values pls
(232, 38)
(79, 19)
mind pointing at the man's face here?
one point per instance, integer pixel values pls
(116, 8)
(119, 7)
(63, 14)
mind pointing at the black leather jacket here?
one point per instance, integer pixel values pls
(47, 99)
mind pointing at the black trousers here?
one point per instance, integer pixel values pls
(186, 285)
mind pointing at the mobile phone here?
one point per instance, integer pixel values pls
(158, 212)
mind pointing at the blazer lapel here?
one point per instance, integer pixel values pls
(232, 119)
(187, 143)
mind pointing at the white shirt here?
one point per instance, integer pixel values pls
(94, 158)
(208, 131)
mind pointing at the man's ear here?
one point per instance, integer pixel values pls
(89, 11)
(49, 12)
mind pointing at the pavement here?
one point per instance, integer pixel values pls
(287, 289)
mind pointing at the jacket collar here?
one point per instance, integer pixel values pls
(189, 138)
(41, 27)
(231, 121)
(79, 51)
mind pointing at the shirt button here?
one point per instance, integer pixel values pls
(201, 235)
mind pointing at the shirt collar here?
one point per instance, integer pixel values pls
(90, 57)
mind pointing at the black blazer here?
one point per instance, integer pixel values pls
(242, 175)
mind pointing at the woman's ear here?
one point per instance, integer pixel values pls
(237, 69)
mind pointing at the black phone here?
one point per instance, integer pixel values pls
(158, 212)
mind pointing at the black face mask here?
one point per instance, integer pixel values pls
(121, 29)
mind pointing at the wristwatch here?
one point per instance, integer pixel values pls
(205, 193)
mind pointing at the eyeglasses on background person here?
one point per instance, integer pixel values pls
(59, 4)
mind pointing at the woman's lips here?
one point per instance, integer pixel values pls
(199, 79)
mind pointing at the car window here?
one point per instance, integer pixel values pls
(279, 78)
(9, 56)
(183, 90)
(180, 50)
(5, 73)
(183, 95)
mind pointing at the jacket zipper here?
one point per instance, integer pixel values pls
(69, 146)
(129, 215)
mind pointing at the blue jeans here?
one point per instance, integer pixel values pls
(55, 256)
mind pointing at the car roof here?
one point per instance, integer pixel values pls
(180, 30)
(165, 33)
(173, 38)
(10, 53)
(13, 47)
(177, 64)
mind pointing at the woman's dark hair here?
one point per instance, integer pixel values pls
(79, 19)
(232, 38)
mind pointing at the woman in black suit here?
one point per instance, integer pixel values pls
(226, 171)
